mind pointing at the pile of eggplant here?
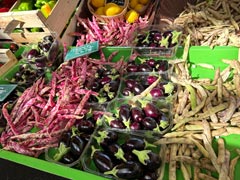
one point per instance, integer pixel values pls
(122, 156)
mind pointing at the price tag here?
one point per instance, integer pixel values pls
(5, 90)
(118, 2)
(79, 51)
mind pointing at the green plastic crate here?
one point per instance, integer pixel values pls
(196, 55)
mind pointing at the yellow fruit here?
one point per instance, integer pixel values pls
(139, 8)
(100, 11)
(133, 3)
(144, 2)
(131, 16)
(97, 3)
(112, 9)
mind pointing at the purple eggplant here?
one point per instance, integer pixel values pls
(149, 108)
(137, 114)
(77, 145)
(86, 126)
(102, 161)
(68, 158)
(106, 137)
(116, 151)
(149, 176)
(149, 159)
(124, 112)
(157, 92)
(127, 170)
(135, 126)
(149, 123)
(137, 143)
(33, 53)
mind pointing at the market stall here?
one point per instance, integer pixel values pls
(126, 89)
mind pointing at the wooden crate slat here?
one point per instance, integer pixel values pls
(60, 15)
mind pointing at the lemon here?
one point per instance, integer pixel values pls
(131, 16)
(139, 8)
(97, 3)
(100, 11)
(112, 9)
(144, 2)
(133, 3)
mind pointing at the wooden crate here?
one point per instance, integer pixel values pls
(8, 59)
(56, 24)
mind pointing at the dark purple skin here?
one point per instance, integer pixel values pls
(67, 158)
(65, 138)
(151, 79)
(102, 161)
(130, 83)
(111, 137)
(95, 86)
(137, 114)
(129, 170)
(33, 53)
(154, 162)
(105, 80)
(138, 89)
(77, 145)
(126, 91)
(151, 62)
(132, 68)
(114, 84)
(157, 92)
(151, 110)
(149, 123)
(134, 143)
(86, 126)
(149, 176)
(117, 124)
(145, 68)
(135, 126)
(124, 112)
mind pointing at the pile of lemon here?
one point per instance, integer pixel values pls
(108, 9)
(137, 7)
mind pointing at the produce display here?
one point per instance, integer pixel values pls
(120, 155)
(136, 84)
(134, 107)
(113, 31)
(45, 6)
(72, 142)
(211, 23)
(143, 116)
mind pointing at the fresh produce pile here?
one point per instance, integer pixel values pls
(211, 23)
(205, 112)
(35, 62)
(113, 32)
(143, 116)
(45, 6)
(135, 84)
(47, 109)
(120, 155)
(72, 142)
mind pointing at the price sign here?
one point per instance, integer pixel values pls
(5, 90)
(12, 171)
(79, 51)
(118, 2)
